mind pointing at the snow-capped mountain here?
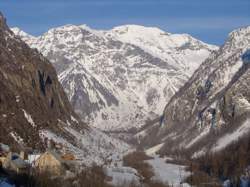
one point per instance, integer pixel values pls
(119, 78)
(179, 50)
(212, 109)
(34, 109)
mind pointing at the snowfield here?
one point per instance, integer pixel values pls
(168, 173)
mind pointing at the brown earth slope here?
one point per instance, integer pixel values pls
(31, 97)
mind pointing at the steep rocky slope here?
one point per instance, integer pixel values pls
(212, 109)
(118, 79)
(34, 108)
(31, 96)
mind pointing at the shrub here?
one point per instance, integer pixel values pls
(137, 160)
(93, 177)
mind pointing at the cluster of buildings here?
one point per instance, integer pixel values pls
(49, 161)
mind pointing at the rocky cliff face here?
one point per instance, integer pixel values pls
(117, 79)
(34, 107)
(31, 96)
(215, 101)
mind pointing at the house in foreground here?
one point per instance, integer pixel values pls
(52, 162)
(4, 150)
(16, 163)
(12, 161)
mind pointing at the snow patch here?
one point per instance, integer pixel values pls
(199, 137)
(153, 150)
(29, 118)
(16, 137)
(234, 136)
(17, 98)
(74, 119)
(168, 173)
(122, 175)
(199, 153)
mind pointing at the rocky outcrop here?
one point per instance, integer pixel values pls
(31, 97)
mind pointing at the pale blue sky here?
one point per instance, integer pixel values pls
(210, 21)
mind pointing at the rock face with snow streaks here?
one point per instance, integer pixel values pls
(214, 103)
(31, 96)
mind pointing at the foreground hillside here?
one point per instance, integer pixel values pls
(120, 78)
(31, 96)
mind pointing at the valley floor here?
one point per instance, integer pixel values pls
(172, 174)
(163, 172)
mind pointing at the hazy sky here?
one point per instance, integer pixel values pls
(208, 20)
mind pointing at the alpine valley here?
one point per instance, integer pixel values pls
(133, 106)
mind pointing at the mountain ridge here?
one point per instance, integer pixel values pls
(210, 107)
(120, 82)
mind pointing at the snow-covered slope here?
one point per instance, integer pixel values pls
(215, 101)
(91, 146)
(117, 79)
(179, 50)
(23, 35)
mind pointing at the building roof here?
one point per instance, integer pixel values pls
(4, 148)
(19, 163)
(55, 155)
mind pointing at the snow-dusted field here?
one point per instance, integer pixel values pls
(172, 174)
(122, 175)
(168, 173)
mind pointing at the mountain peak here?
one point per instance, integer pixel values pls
(141, 35)
(19, 32)
(238, 38)
(2, 18)
(85, 27)
(74, 30)
(66, 28)
(239, 31)
(3, 21)
(138, 29)
(71, 27)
